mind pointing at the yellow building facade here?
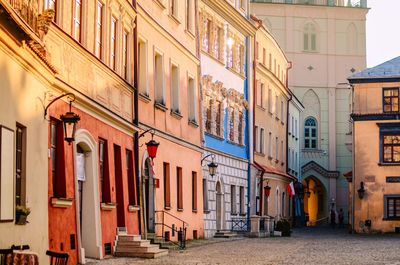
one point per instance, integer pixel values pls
(270, 127)
(374, 190)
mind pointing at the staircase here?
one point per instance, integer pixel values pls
(133, 246)
(225, 234)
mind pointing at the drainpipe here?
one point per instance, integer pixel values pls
(136, 118)
(354, 165)
(287, 126)
(259, 25)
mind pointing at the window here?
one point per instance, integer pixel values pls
(167, 185)
(257, 50)
(296, 133)
(113, 43)
(392, 206)
(260, 94)
(264, 57)
(20, 165)
(205, 195)
(230, 59)
(192, 99)
(283, 204)
(310, 133)
(391, 99)
(233, 199)
(241, 59)
(270, 100)
(270, 145)
(240, 128)
(218, 40)
(270, 62)
(77, 20)
(51, 4)
(282, 110)
(104, 172)
(125, 43)
(256, 139)
(143, 85)
(262, 88)
(232, 125)
(276, 106)
(207, 27)
(208, 116)
(131, 178)
(276, 148)
(241, 201)
(99, 30)
(194, 191)
(282, 153)
(174, 8)
(175, 88)
(310, 37)
(179, 188)
(159, 78)
(57, 159)
(242, 4)
(189, 15)
(262, 141)
(391, 147)
(218, 117)
(289, 159)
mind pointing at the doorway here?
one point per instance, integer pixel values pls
(150, 196)
(119, 186)
(315, 201)
(219, 206)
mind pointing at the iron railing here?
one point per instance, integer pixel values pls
(239, 224)
(171, 228)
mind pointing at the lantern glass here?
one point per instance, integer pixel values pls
(69, 121)
(212, 168)
(152, 148)
(267, 190)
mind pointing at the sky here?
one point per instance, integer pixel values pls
(383, 31)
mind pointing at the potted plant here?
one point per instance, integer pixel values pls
(21, 213)
(283, 226)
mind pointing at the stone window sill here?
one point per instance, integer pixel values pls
(180, 210)
(167, 208)
(388, 164)
(108, 206)
(175, 19)
(176, 114)
(161, 106)
(145, 98)
(193, 123)
(61, 202)
(133, 208)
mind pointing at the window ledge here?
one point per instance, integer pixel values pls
(180, 210)
(206, 211)
(235, 214)
(176, 114)
(282, 122)
(174, 18)
(290, 134)
(61, 202)
(242, 214)
(235, 143)
(188, 32)
(108, 206)
(233, 70)
(276, 160)
(145, 98)
(167, 208)
(193, 123)
(391, 219)
(194, 211)
(270, 157)
(277, 118)
(160, 106)
(261, 108)
(133, 208)
(389, 164)
(215, 136)
(259, 153)
(282, 163)
(220, 61)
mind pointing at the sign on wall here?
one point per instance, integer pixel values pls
(6, 174)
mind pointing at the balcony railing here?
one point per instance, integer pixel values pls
(28, 10)
(342, 3)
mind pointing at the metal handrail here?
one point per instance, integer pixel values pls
(181, 232)
(159, 211)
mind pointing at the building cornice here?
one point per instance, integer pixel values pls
(375, 116)
(232, 16)
(374, 80)
(321, 170)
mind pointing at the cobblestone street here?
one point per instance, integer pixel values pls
(306, 246)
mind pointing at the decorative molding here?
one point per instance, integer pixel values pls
(375, 116)
(133, 208)
(61, 202)
(107, 206)
(318, 168)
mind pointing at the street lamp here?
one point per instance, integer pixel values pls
(361, 190)
(152, 145)
(267, 191)
(69, 119)
(212, 167)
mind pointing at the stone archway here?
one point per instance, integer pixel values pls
(149, 193)
(315, 201)
(87, 196)
(220, 202)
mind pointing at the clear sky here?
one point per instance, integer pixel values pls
(383, 31)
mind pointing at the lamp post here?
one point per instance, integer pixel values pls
(69, 119)
(361, 190)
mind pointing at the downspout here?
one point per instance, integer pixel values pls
(354, 165)
(259, 25)
(287, 116)
(136, 118)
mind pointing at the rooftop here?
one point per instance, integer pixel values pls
(389, 69)
(340, 3)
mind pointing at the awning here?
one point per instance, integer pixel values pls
(271, 170)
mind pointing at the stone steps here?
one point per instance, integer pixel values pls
(225, 234)
(133, 246)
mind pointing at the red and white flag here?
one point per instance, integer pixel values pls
(290, 189)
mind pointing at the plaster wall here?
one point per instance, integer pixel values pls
(22, 85)
(368, 170)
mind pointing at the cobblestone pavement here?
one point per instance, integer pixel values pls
(320, 246)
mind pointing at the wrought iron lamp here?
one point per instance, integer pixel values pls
(361, 190)
(152, 145)
(212, 167)
(267, 190)
(69, 119)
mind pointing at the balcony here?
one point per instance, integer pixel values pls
(341, 3)
(27, 10)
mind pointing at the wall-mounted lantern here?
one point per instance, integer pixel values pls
(152, 145)
(212, 167)
(69, 119)
(361, 190)
(267, 190)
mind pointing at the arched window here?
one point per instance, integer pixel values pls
(310, 37)
(310, 133)
(218, 117)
